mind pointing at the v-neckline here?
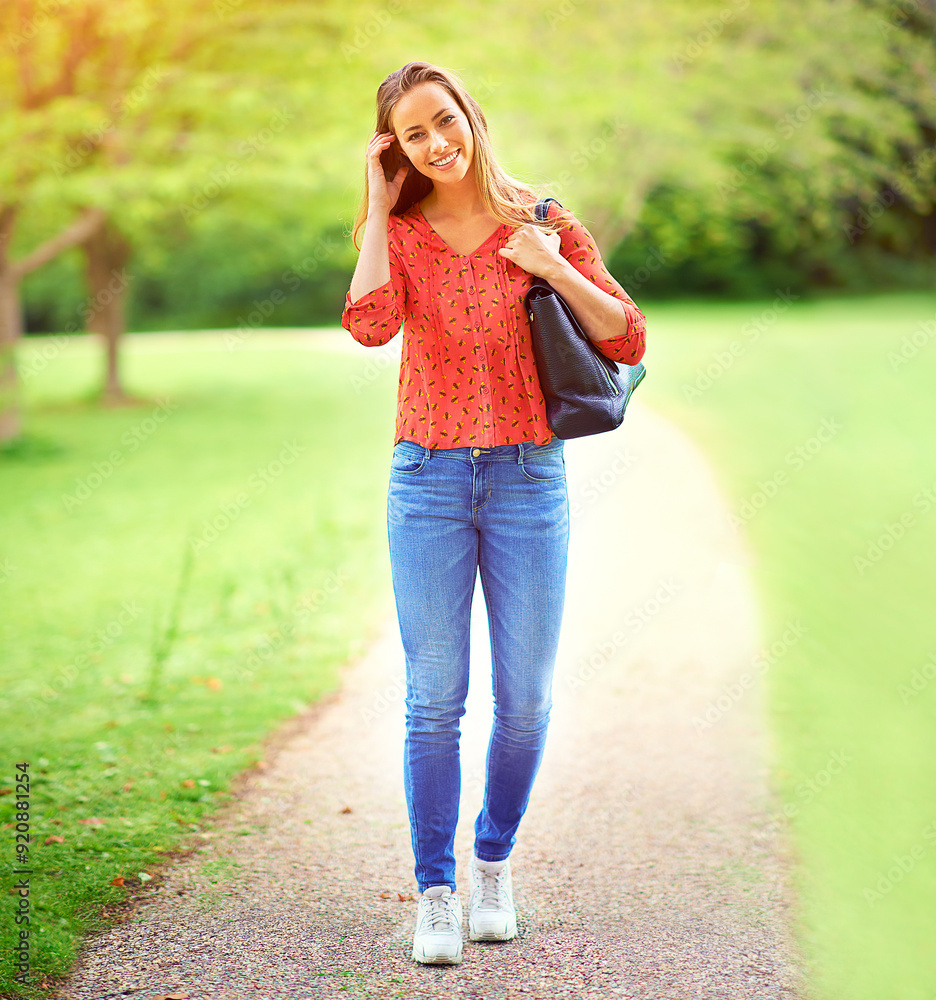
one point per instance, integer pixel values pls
(477, 249)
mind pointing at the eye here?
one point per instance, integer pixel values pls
(413, 135)
(447, 119)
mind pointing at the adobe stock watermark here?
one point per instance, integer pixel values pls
(751, 332)
(257, 483)
(371, 29)
(761, 662)
(386, 698)
(131, 439)
(918, 681)
(899, 13)
(712, 29)
(273, 640)
(562, 12)
(900, 866)
(917, 169)
(807, 791)
(102, 639)
(46, 11)
(291, 279)
(655, 259)
(786, 127)
(587, 667)
(596, 487)
(52, 347)
(92, 139)
(893, 532)
(379, 359)
(592, 150)
(223, 174)
(912, 344)
(796, 459)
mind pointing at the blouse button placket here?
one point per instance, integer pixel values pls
(484, 362)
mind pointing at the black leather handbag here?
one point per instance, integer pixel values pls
(585, 392)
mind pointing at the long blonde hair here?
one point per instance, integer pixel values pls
(510, 201)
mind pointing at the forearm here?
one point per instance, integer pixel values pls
(373, 264)
(599, 313)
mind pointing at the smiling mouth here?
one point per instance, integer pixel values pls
(445, 161)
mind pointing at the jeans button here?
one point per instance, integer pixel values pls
(476, 452)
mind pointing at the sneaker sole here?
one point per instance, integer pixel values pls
(484, 935)
(437, 959)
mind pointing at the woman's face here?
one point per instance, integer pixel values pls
(433, 133)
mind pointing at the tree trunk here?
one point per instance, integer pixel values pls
(11, 327)
(11, 315)
(106, 253)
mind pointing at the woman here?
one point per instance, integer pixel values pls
(477, 479)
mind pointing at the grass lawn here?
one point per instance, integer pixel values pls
(176, 581)
(176, 578)
(820, 418)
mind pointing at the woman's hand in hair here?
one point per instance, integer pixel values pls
(383, 191)
(533, 250)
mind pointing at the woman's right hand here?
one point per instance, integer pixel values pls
(382, 193)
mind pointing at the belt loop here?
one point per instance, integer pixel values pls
(520, 459)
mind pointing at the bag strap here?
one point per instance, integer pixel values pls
(541, 209)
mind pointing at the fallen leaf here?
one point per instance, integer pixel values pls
(261, 765)
(215, 683)
(119, 881)
(6, 791)
(93, 821)
(177, 996)
(225, 749)
(169, 727)
(347, 809)
(404, 899)
(144, 876)
(188, 783)
(128, 786)
(384, 895)
(54, 839)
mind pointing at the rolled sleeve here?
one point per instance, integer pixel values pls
(375, 318)
(579, 248)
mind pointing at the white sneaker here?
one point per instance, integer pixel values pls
(491, 913)
(438, 937)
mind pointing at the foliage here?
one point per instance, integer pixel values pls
(789, 134)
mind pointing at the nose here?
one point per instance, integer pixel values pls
(437, 143)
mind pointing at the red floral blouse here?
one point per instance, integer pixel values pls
(468, 372)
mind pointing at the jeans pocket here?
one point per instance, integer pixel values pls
(407, 459)
(543, 464)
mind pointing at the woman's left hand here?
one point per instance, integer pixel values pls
(533, 250)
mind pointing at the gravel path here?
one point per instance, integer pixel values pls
(650, 863)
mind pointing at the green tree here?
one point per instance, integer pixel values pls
(133, 116)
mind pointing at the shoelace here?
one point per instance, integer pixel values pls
(493, 894)
(440, 914)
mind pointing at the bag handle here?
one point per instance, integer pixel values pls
(541, 209)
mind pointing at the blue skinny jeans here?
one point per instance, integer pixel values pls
(452, 512)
